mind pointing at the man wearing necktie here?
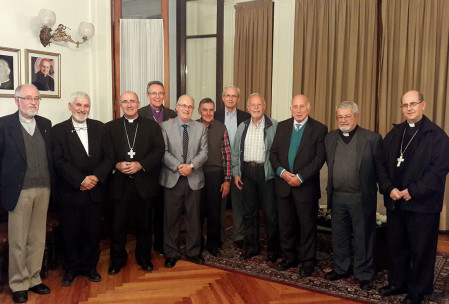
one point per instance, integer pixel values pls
(297, 155)
(182, 178)
(83, 158)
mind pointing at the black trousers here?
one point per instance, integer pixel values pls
(158, 222)
(211, 207)
(132, 206)
(412, 241)
(80, 227)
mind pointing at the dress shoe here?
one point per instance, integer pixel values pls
(170, 262)
(92, 275)
(114, 269)
(68, 279)
(272, 258)
(239, 244)
(413, 299)
(285, 264)
(214, 251)
(333, 276)
(20, 296)
(306, 271)
(365, 285)
(40, 289)
(197, 259)
(247, 255)
(390, 290)
(148, 267)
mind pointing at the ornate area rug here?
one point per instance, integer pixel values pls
(346, 288)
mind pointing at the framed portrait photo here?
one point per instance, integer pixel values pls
(9, 71)
(43, 69)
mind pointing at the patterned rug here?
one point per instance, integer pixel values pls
(346, 288)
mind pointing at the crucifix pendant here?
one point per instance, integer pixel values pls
(400, 159)
(131, 154)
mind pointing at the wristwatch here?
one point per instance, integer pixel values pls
(192, 166)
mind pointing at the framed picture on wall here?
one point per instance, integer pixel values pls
(43, 69)
(9, 71)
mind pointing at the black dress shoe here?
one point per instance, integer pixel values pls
(390, 290)
(285, 264)
(20, 296)
(170, 262)
(214, 251)
(148, 267)
(247, 255)
(40, 289)
(114, 269)
(68, 279)
(92, 275)
(197, 259)
(365, 285)
(306, 271)
(413, 299)
(333, 276)
(239, 244)
(272, 258)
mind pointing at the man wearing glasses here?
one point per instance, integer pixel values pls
(138, 148)
(232, 118)
(354, 157)
(156, 111)
(26, 179)
(416, 162)
(182, 178)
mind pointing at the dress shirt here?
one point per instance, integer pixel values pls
(81, 130)
(28, 124)
(254, 142)
(158, 115)
(230, 121)
(181, 128)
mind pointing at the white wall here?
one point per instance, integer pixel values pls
(87, 68)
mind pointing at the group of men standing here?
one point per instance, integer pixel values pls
(155, 159)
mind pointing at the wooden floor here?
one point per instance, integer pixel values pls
(185, 283)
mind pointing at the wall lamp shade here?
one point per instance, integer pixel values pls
(47, 19)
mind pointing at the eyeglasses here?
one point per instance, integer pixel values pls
(296, 107)
(411, 105)
(231, 96)
(184, 106)
(156, 93)
(346, 117)
(29, 99)
(131, 101)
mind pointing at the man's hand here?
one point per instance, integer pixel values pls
(395, 194)
(295, 181)
(405, 195)
(129, 167)
(185, 169)
(89, 182)
(224, 189)
(238, 182)
(291, 179)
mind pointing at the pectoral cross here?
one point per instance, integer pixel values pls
(400, 159)
(131, 154)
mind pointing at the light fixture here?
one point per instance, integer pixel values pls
(47, 19)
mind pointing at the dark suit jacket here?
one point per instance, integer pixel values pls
(149, 148)
(369, 163)
(309, 158)
(241, 116)
(13, 156)
(72, 164)
(147, 113)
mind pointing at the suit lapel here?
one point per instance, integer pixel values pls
(361, 146)
(305, 136)
(73, 137)
(15, 130)
(331, 149)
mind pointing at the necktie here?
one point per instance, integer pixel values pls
(297, 126)
(185, 143)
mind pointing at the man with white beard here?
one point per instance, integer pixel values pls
(26, 177)
(83, 158)
(354, 160)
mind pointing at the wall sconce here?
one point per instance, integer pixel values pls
(47, 19)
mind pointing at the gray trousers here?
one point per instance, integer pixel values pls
(26, 237)
(349, 216)
(238, 210)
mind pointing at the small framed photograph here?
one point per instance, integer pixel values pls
(43, 69)
(9, 71)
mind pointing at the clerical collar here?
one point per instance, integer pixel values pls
(130, 120)
(415, 124)
(347, 136)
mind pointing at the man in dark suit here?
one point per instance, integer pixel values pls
(26, 179)
(232, 118)
(354, 157)
(156, 111)
(182, 176)
(83, 157)
(417, 162)
(297, 155)
(42, 79)
(138, 148)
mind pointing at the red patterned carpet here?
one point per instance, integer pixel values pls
(348, 288)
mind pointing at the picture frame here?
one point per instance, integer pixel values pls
(9, 71)
(43, 69)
